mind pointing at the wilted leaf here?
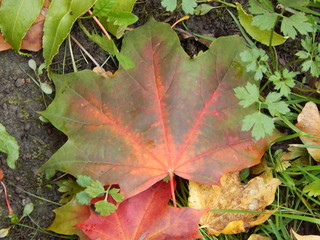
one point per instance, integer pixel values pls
(4, 232)
(169, 115)
(305, 237)
(253, 196)
(69, 215)
(9, 145)
(145, 216)
(258, 237)
(59, 20)
(262, 36)
(309, 122)
(16, 17)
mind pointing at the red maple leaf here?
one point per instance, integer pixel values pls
(145, 216)
(169, 115)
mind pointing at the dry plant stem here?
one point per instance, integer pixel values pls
(7, 198)
(180, 20)
(100, 25)
(85, 51)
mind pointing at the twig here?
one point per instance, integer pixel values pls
(100, 25)
(85, 51)
(71, 54)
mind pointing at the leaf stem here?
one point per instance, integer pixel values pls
(7, 198)
(172, 189)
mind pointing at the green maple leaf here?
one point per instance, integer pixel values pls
(296, 22)
(276, 107)
(313, 189)
(260, 124)
(105, 208)
(248, 94)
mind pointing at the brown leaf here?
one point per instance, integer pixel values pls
(258, 237)
(1, 174)
(305, 237)
(309, 122)
(253, 196)
(33, 39)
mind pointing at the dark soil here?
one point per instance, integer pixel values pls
(21, 99)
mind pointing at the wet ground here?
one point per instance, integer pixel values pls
(21, 99)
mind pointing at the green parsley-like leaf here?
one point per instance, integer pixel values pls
(307, 44)
(84, 181)
(83, 198)
(260, 124)
(265, 21)
(105, 208)
(297, 21)
(248, 94)
(302, 54)
(170, 5)
(283, 82)
(188, 6)
(275, 105)
(313, 189)
(114, 192)
(256, 59)
(96, 189)
(315, 68)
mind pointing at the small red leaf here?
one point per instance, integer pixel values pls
(145, 216)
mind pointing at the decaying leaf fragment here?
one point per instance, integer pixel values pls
(309, 122)
(32, 41)
(253, 196)
(258, 237)
(305, 237)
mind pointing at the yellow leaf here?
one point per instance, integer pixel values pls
(309, 122)
(258, 237)
(232, 194)
(305, 237)
(262, 36)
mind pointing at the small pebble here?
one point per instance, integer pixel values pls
(4, 106)
(27, 126)
(28, 80)
(20, 82)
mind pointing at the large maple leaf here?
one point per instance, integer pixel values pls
(145, 216)
(169, 115)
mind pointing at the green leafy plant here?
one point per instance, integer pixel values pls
(9, 145)
(94, 189)
(266, 17)
(188, 6)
